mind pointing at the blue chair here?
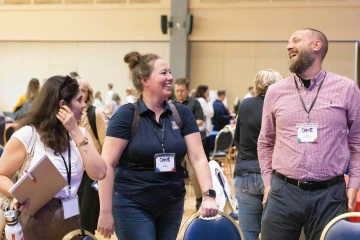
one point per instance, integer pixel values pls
(79, 234)
(340, 229)
(220, 227)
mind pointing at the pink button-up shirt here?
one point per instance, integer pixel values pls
(336, 110)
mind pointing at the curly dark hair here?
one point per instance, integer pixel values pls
(43, 112)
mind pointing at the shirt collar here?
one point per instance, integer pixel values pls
(143, 108)
(317, 79)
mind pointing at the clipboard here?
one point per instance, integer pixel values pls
(39, 184)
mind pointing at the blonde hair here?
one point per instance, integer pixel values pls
(89, 101)
(264, 79)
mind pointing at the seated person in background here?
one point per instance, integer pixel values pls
(222, 116)
(23, 97)
(53, 122)
(248, 185)
(31, 92)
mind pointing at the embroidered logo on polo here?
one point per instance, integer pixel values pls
(174, 125)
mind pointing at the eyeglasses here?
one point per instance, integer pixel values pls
(63, 84)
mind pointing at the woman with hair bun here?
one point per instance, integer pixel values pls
(144, 197)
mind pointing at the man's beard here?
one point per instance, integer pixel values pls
(304, 60)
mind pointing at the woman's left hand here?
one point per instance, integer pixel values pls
(209, 207)
(67, 118)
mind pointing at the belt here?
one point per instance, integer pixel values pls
(311, 185)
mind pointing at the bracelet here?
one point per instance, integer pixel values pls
(83, 142)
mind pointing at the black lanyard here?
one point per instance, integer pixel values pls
(162, 135)
(313, 103)
(68, 169)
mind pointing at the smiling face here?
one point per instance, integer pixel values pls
(77, 105)
(300, 51)
(160, 80)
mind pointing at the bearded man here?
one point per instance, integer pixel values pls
(303, 143)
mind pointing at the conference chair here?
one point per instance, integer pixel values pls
(341, 229)
(222, 147)
(7, 134)
(221, 226)
(79, 234)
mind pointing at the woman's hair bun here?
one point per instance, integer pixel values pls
(132, 58)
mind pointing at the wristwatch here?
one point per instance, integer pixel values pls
(210, 193)
(83, 142)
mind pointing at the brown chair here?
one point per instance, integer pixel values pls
(222, 146)
(79, 234)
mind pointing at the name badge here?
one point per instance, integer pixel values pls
(307, 132)
(70, 207)
(165, 162)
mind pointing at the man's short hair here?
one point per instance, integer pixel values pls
(250, 88)
(321, 36)
(110, 85)
(182, 81)
(221, 92)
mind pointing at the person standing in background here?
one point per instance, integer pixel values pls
(251, 92)
(95, 122)
(98, 100)
(202, 95)
(248, 185)
(130, 98)
(181, 90)
(109, 94)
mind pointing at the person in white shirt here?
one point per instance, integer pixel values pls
(51, 127)
(109, 93)
(202, 95)
(97, 100)
(251, 92)
(130, 98)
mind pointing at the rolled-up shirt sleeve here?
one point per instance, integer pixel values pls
(266, 141)
(353, 118)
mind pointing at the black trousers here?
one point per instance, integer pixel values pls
(289, 209)
(89, 204)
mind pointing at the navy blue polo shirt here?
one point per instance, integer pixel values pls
(135, 176)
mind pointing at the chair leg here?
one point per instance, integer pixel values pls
(229, 162)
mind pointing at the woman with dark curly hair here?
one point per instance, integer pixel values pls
(53, 122)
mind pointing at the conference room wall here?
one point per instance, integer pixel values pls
(99, 62)
(233, 65)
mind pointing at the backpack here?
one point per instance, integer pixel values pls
(136, 120)
(92, 120)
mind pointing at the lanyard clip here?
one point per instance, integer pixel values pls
(307, 118)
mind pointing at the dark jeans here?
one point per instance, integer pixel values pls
(89, 204)
(289, 209)
(135, 221)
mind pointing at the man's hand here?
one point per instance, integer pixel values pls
(266, 193)
(351, 194)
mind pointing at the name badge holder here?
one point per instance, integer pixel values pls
(307, 132)
(163, 162)
(70, 205)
